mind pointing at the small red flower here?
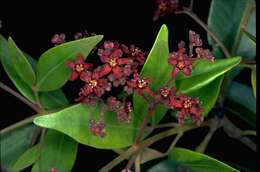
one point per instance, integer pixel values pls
(78, 67)
(136, 54)
(186, 106)
(53, 170)
(97, 128)
(165, 7)
(111, 56)
(140, 85)
(58, 39)
(93, 84)
(181, 62)
(164, 95)
(122, 109)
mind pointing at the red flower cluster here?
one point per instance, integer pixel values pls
(186, 106)
(97, 128)
(183, 62)
(165, 7)
(119, 64)
(122, 109)
(120, 68)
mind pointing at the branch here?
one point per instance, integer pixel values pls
(20, 97)
(236, 133)
(213, 128)
(205, 27)
(18, 124)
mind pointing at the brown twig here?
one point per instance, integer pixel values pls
(20, 97)
(205, 27)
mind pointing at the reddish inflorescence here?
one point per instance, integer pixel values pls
(119, 69)
(58, 39)
(97, 128)
(165, 7)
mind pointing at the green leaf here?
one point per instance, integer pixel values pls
(204, 72)
(52, 73)
(167, 166)
(241, 102)
(253, 79)
(26, 159)
(74, 120)
(156, 67)
(8, 66)
(208, 94)
(234, 15)
(53, 99)
(14, 143)
(198, 162)
(250, 37)
(35, 167)
(58, 151)
(20, 63)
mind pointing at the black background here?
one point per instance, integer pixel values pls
(33, 25)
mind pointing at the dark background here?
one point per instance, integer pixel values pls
(33, 25)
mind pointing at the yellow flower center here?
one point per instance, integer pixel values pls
(93, 83)
(187, 103)
(141, 83)
(165, 93)
(180, 65)
(112, 62)
(79, 67)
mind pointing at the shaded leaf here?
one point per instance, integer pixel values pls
(204, 72)
(208, 94)
(73, 121)
(14, 143)
(197, 162)
(26, 159)
(20, 63)
(234, 15)
(250, 37)
(58, 151)
(167, 166)
(7, 63)
(156, 67)
(253, 80)
(52, 73)
(49, 100)
(241, 102)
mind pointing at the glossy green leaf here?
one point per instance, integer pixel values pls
(253, 79)
(20, 63)
(35, 167)
(26, 159)
(52, 73)
(198, 162)
(250, 37)
(208, 94)
(58, 151)
(234, 15)
(167, 166)
(156, 67)
(8, 66)
(14, 143)
(204, 72)
(241, 102)
(74, 120)
(53, 99)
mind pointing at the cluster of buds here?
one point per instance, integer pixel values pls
(119, 70)
(165, 7)
(182, 62)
